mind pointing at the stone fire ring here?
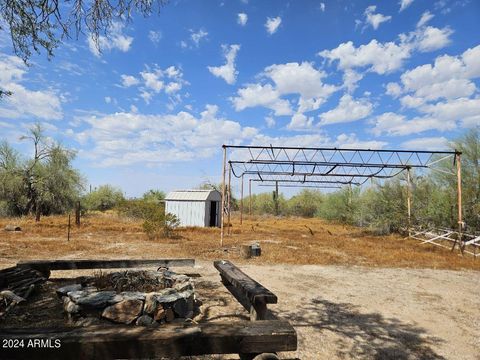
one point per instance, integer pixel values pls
(128, 307)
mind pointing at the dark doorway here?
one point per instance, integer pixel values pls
(213, 213)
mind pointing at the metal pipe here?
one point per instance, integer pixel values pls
(223, 196)
(229, 197)
(250, 196)
(409, 194)
(241, 203)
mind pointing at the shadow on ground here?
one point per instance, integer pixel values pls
(364, 335)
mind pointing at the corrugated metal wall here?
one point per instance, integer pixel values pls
(190, 213)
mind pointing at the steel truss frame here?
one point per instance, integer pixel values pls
(324, 167)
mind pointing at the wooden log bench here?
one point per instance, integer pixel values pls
(126, 342)
(254, 297)
(45, 266)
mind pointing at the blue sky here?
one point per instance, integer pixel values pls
(152, 109)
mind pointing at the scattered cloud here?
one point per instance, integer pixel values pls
(198, 36)
(322, 7)
(405, 4)
(114, 40)
(242, 19)
(426, 143)
(426, 17)
(155, 36)
(300, 122)
(23, 103)
(432, 38)
(301, 79)
(272, 24)
(158, 138)
(129, 80)
(253, 95)
(374, 19)
(270, 122)
(227, 72)
(348, 110)
(154, 80)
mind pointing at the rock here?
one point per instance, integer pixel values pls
(127, 295)
(88, 321)
(125, 311)
(189, 315)
(64, 290)
(169, 315)
(160, 313)
(181, 307)
(144, 320)
(69, 306)
(76, 295)
(10, 296)
(10, 227)
(183, 285)
(151, 303)
(97, 299)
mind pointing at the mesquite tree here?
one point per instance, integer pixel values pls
(44, 184)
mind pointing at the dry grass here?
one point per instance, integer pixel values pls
(283, 240)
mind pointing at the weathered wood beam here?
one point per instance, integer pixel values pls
(102, 264)
(251, 289)
(100, 342)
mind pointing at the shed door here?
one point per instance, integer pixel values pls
(213, 213)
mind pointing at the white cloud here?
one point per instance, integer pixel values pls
(253, 95)
(347, 110)
(426, 17)
(42, 104)
(433, 38)
(158, 138)
(270, 121)
(404, 4)
(375, 19)
(449, 77)
(227, 72)
(300, 122)
(299, 78)
(129, 80)
(114, 40)
(291, 78)
(155, 36)
(197, 36)
(272, 24)
(152, 79)
(350, 79)
(322, 7)
(351, 141)
(394, 89)
(377, 57)
(426, 143)
(397, 124)
(108, 99)
(242, 19)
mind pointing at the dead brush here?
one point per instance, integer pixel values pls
(129, 280)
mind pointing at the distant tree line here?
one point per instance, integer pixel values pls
(46, 183)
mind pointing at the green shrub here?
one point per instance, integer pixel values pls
(106, 197)
(156, 223)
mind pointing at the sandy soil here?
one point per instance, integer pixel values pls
(355, 312)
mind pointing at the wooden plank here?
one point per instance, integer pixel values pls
(103, 264)
(101, 342)
(253, 291)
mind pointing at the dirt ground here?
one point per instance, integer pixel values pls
(338, 312)
(348, 293)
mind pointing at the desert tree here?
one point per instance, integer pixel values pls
(43, 184)
(34, 25)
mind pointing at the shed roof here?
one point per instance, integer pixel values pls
(193, 195)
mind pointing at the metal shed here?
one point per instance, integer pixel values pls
(195, 207)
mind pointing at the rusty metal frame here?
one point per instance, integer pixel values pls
(324, 167)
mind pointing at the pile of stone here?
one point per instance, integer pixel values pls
(128, 307)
